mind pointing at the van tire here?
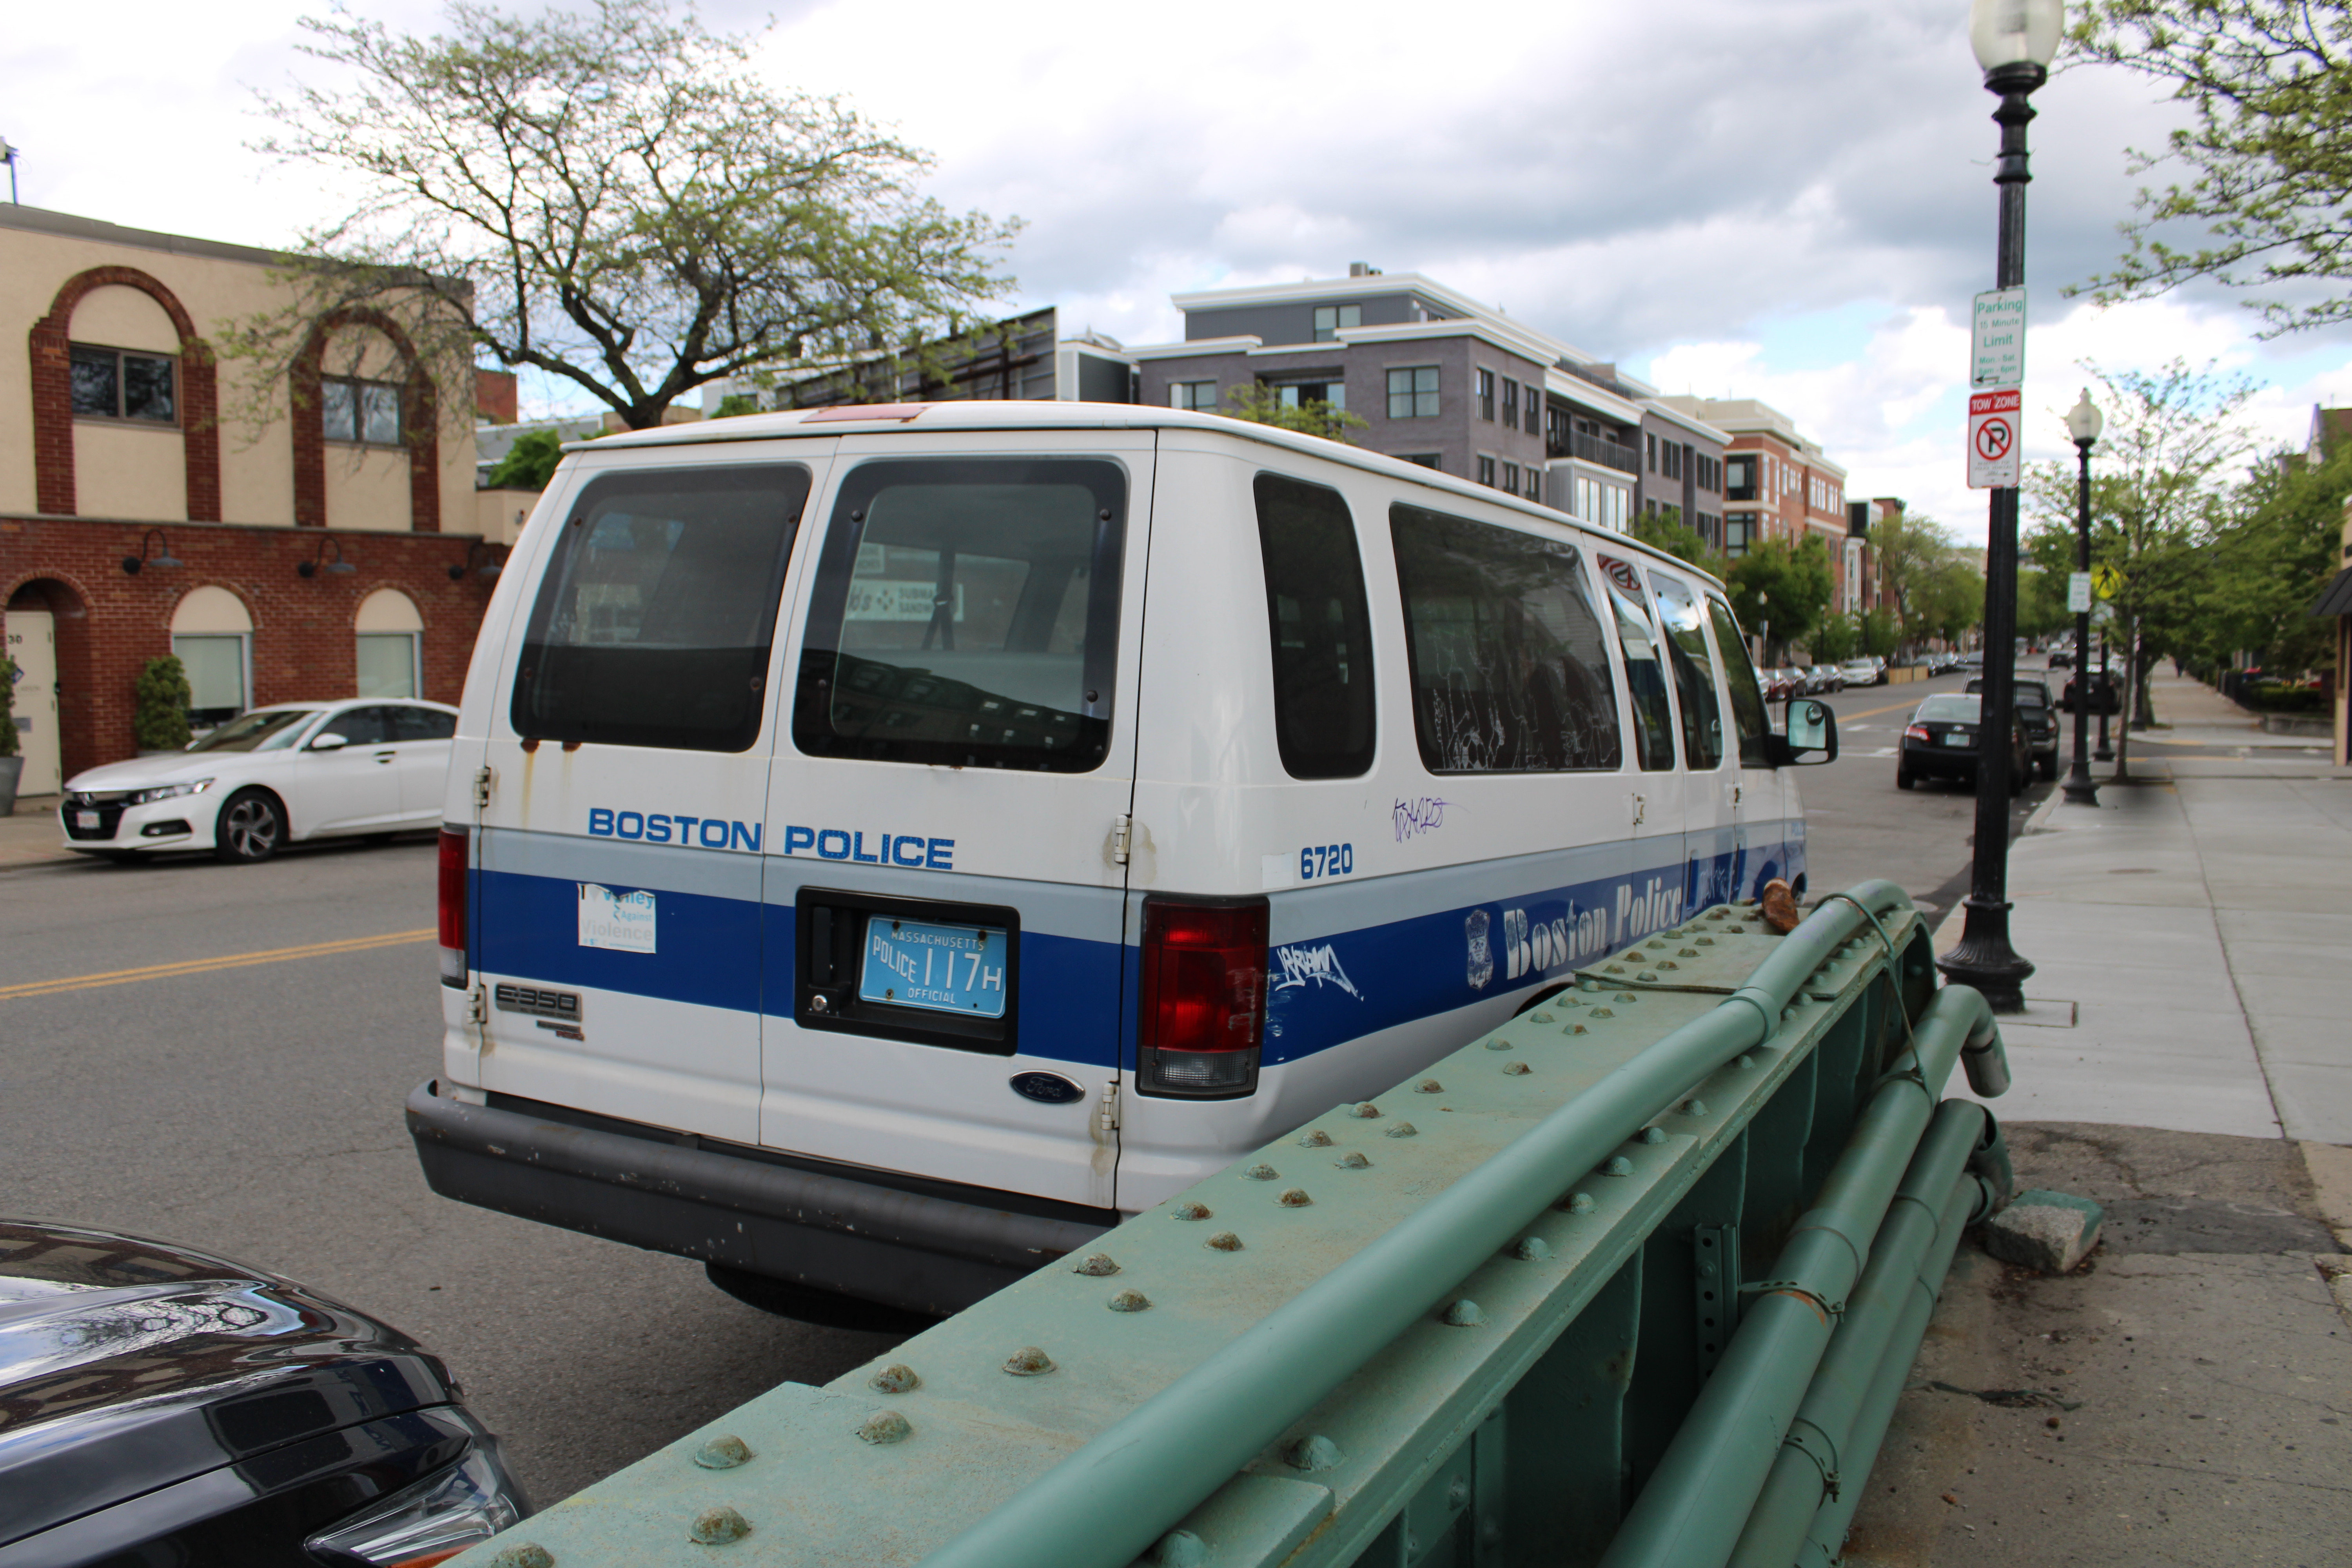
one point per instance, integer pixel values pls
(1903, 779)
(826, 1308)
(251, 827)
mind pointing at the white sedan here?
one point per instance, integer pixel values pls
(270, 777)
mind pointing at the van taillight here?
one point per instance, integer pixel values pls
(1204, 998)
(453, 908)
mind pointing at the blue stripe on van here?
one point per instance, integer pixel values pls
(706, 950)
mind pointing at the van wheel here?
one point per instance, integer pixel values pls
(1903, 778)
(826, 1308)
(251, 826)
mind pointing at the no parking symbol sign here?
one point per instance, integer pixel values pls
(1993, 437)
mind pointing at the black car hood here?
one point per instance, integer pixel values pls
(128, 1365)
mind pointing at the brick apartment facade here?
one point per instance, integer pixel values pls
(1780, 485)
(333, 549)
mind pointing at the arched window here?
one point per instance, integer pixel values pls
(389, 630)
(213, 636)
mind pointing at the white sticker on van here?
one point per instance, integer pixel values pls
(623, 922)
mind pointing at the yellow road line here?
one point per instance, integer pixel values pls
(206, 965)
(1872, 713)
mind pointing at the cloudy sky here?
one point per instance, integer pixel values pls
(1784, 199)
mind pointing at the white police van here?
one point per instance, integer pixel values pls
(885, 844)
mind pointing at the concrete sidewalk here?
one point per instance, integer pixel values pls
(32, 835)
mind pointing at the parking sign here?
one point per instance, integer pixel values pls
(1993, 437)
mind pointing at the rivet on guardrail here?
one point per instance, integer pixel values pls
(1743, 1062)
(884, 1426)
(1578, 1202)
(1690, 951)
(1694, 1107)
(1367, 1111)
(898, 1377)
(1099, 1266)
(1464, 1314)
(1028, 1361)
(1627, 997)
(1613, 969)
(1618, 1166)
(1191, 1211)
(1352, 1161)
(1261, 1173)
(723, 1452)
(1404, 1129)
(1633, 955)
(1457, 1496)
(1129, 1302)
(1531, 1250)
(1653, 1135)
(1571, 1000)
(1541, 1017)
(1703, 942)
(1519, 1069)
(1579, 1028)
(1646, 974)
(1788, 1013)
(718, 1526)
(1223, 1241)
(1181, 1548)
(1314, 1453)
(1429, 1086)
(1668, 963)
(1499, 1044)
(1294, 1198)
(524, 1554)
(1715, 913)
(1319, 1139)
(1600, 1013)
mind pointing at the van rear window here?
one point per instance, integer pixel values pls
(1510, 671)
(966, 612)
(1321, 628)
(655, 618)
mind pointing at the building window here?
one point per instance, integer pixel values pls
(115, 384)
(1650, 442)
(1332, 394)
(1511, 404)
(388, 628)
(1332, 320)
(1486, 394)
(1413, 394)
(216, 667)
(1487, 471)
(1535, 409)
(1422, 461)
(1200, 396)
(363, 413)
(1739, 478)
(1535, 483)
(1739, 526)
(1511, 477)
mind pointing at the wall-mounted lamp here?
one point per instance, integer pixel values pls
(491, 567)
(163, 560)
(310, 568)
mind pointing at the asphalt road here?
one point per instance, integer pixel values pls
(253, 1108)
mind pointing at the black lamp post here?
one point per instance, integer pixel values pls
(2083, 423)
(2014, 42)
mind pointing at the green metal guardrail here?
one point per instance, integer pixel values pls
(1469, 1321)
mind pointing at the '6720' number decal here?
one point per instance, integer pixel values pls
(1326, 861)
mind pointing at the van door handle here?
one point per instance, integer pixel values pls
(385, 756)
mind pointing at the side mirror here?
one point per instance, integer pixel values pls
(330, 742)
(1808, 736)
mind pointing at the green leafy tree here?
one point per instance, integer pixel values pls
(1783, 591)
(611, 197)
(1837, 638)
(9, 674)
(735, 404)
(1665, 530)
(161, 698)
(1881, 633)
(1262, 404)
(528, 464)
(1924, 582)
(2265, 158)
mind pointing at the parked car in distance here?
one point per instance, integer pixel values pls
(160, 1405)
(270, 777)
(1943, 741)
(1864, 672)
(2037, 714)
(2062, 658)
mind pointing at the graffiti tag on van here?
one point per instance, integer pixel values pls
(1423, 813)
(1317, 965)
(911, 851)
(687, 832)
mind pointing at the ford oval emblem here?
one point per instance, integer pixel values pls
(1046, 1088)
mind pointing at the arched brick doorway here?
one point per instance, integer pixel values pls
(55, 610)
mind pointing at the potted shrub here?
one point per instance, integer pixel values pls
(12, 765)
(160, 722)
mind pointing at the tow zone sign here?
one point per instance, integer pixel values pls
(1993, 437)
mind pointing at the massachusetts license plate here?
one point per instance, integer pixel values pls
(941, 968)
(86, 820)
(1953, 738)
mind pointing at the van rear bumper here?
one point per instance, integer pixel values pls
(817, 1229)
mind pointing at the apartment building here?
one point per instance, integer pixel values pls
(330, 546)
(1777, 484)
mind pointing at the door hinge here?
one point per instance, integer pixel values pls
(1107, 1114)
(477, 1006)
(1120, 827)
(483, 778)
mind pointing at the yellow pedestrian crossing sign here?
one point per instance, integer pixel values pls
(2107, 578)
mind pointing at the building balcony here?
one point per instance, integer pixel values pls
(1593, 449)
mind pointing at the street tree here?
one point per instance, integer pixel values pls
(1782, 591)
(2266, 156)
(1932, 590)
(1665, 529)
(610, 197)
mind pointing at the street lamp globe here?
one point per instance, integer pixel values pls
(2015, 32)
(2084, 421)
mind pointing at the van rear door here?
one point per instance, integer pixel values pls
(945, 870)
(616, 921)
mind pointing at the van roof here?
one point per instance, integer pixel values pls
(1013, 414)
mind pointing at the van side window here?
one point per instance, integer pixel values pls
(1645, 675)
(1746, 696)
(1509, 670)
(654, 620)
(1320, 628)
(1694, 674)
(966, 612)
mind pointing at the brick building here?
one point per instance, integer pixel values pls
(1780, 485)
(335, 548)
